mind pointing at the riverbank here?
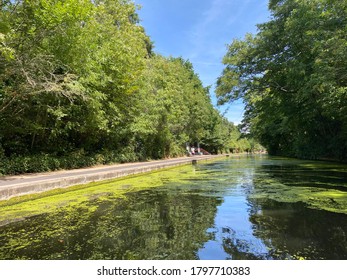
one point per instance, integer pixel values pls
(12, 186)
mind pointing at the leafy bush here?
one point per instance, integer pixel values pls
(77, 159)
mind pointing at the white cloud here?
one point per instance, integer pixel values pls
(219, 24)
(208, 33)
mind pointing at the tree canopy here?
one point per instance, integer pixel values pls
(292, 76)
(81, 85)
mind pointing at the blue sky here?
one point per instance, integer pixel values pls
(199, 30)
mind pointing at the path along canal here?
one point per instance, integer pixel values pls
(252, 207)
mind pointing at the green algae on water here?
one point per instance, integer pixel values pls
(245, 208)
(325, 199)
(321, 186)
(30, 205)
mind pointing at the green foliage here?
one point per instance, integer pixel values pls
(292, 76)
(173, 108)
(18, 164)
(78, 78)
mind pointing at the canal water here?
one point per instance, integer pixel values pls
(238, 208)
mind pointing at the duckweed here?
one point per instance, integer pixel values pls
(30, 205)
(245, 208)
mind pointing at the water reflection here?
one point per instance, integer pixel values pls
(293, 231)
(246, 208)
(260, 226)
(145, 225)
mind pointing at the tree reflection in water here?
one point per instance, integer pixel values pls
(246, 208)
(144, 225)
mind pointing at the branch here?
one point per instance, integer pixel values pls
(3, 108)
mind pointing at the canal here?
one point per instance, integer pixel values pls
(238, 208)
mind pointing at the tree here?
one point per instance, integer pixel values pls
(79, 80)
(73, 63)
(172, 108)
(289, 74)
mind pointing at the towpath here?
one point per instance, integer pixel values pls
(11, 186)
